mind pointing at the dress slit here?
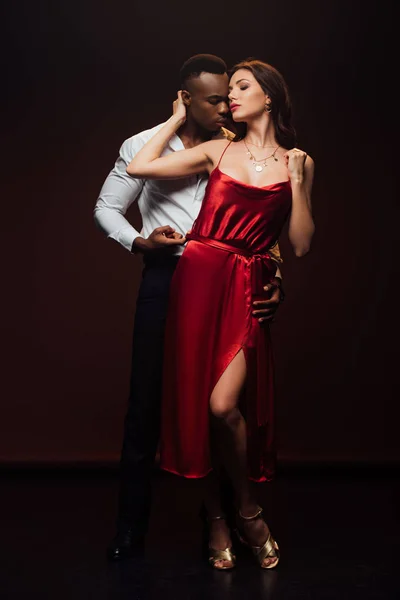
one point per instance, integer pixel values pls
(223, 269)
(226, 366)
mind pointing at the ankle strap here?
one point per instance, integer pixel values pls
(252, 517)
(217, 518)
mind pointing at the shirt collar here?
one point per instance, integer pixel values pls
(175, 143)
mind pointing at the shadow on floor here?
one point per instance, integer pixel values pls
(338, 531)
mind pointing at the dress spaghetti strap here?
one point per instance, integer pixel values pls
(225, 149)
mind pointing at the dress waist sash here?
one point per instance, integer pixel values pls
(227, 247)
(261, 264)
(261, 268)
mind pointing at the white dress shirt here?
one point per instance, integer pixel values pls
(174, 202)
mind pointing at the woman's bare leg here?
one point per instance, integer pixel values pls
(230, 427)
(219, 537)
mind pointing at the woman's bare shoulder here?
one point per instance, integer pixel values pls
(214, 148)
(217, 144)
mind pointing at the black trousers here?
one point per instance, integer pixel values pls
(142, 421)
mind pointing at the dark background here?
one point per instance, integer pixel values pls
(81, 76)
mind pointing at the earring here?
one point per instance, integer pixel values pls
(268, 108)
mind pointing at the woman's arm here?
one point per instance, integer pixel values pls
(301, 224)
(147, 162)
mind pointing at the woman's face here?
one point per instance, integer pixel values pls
(246, 97)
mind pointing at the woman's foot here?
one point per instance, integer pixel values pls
(255, 532)
(220, 540)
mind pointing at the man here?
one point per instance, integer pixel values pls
(168, 209)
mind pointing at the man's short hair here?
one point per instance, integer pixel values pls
(201, 63)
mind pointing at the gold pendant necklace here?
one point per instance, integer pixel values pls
(263, 161)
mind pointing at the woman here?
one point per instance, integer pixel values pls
(218, 383)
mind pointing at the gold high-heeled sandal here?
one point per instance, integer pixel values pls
(269, 549)
(216, 555)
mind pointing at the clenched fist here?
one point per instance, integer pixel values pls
(295, 160)
(161, 237)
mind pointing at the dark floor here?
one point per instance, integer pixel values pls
(338, 531)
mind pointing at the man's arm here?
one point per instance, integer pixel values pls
(119, 191)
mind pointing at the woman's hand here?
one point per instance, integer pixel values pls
(179, 108)
(295, 160)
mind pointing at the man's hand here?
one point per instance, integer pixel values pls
(161, 238)
(265, 310)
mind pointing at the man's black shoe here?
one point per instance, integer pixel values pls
(125, 545)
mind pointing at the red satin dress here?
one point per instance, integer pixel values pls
(223, 269)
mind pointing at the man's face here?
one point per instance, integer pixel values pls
(209, 100)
